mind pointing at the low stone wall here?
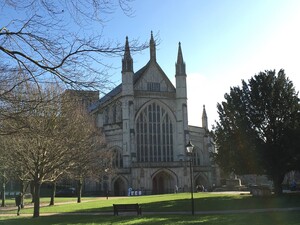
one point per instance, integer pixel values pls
(260, 190)
(233, 183)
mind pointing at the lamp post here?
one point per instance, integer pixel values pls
(189, 151)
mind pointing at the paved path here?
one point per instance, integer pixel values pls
(30, 205)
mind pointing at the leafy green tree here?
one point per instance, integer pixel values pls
(258, 128)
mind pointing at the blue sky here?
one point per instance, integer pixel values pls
(223, 42)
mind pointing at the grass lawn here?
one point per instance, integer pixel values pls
(168, 203)
(278, 218)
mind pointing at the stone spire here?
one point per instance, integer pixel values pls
(152, 48)
(127, 105)
(180, 65)
(181, 103)
(204, 118)
(180, 76)
(127, 63)
(127, 72)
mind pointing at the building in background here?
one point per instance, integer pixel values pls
(145, 121)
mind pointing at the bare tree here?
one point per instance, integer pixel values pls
(91, 156)
(53, 142)
(49, 40)
(4, 171)
(35, 150)
(14, 102)
(44, 42)
(57, 41)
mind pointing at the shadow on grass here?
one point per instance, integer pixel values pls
(174, 203)
(278, 218)
(178, 203)
(211, 203)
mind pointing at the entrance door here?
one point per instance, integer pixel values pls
(201, 181)
(119, 187)
(163, 183)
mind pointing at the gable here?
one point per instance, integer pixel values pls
(149, 78)
(152, 78)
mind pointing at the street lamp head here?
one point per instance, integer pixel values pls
(189, 148)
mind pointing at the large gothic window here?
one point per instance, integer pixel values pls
(154, 135)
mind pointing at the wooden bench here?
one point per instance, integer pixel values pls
(127, 208)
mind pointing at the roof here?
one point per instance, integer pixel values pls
(114, 92)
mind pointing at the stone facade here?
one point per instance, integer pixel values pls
(145, 121)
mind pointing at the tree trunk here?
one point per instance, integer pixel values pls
(79, 190)
(22, 190)
(37, 188)
(32, 191)
(3, 192)
(53, 193)
(278, 179)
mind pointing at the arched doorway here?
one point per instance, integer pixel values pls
(120, 187)
(163, 183)
(202, 180)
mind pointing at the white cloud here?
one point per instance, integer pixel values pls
(204, 91)
(280, 51)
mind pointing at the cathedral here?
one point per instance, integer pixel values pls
(145, 122)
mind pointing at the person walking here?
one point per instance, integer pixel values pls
(19, 200)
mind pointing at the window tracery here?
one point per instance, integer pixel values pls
(154, 135)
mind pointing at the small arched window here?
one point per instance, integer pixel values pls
(119, 112)
(106, 116)
(118, 159)
(114, 114)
